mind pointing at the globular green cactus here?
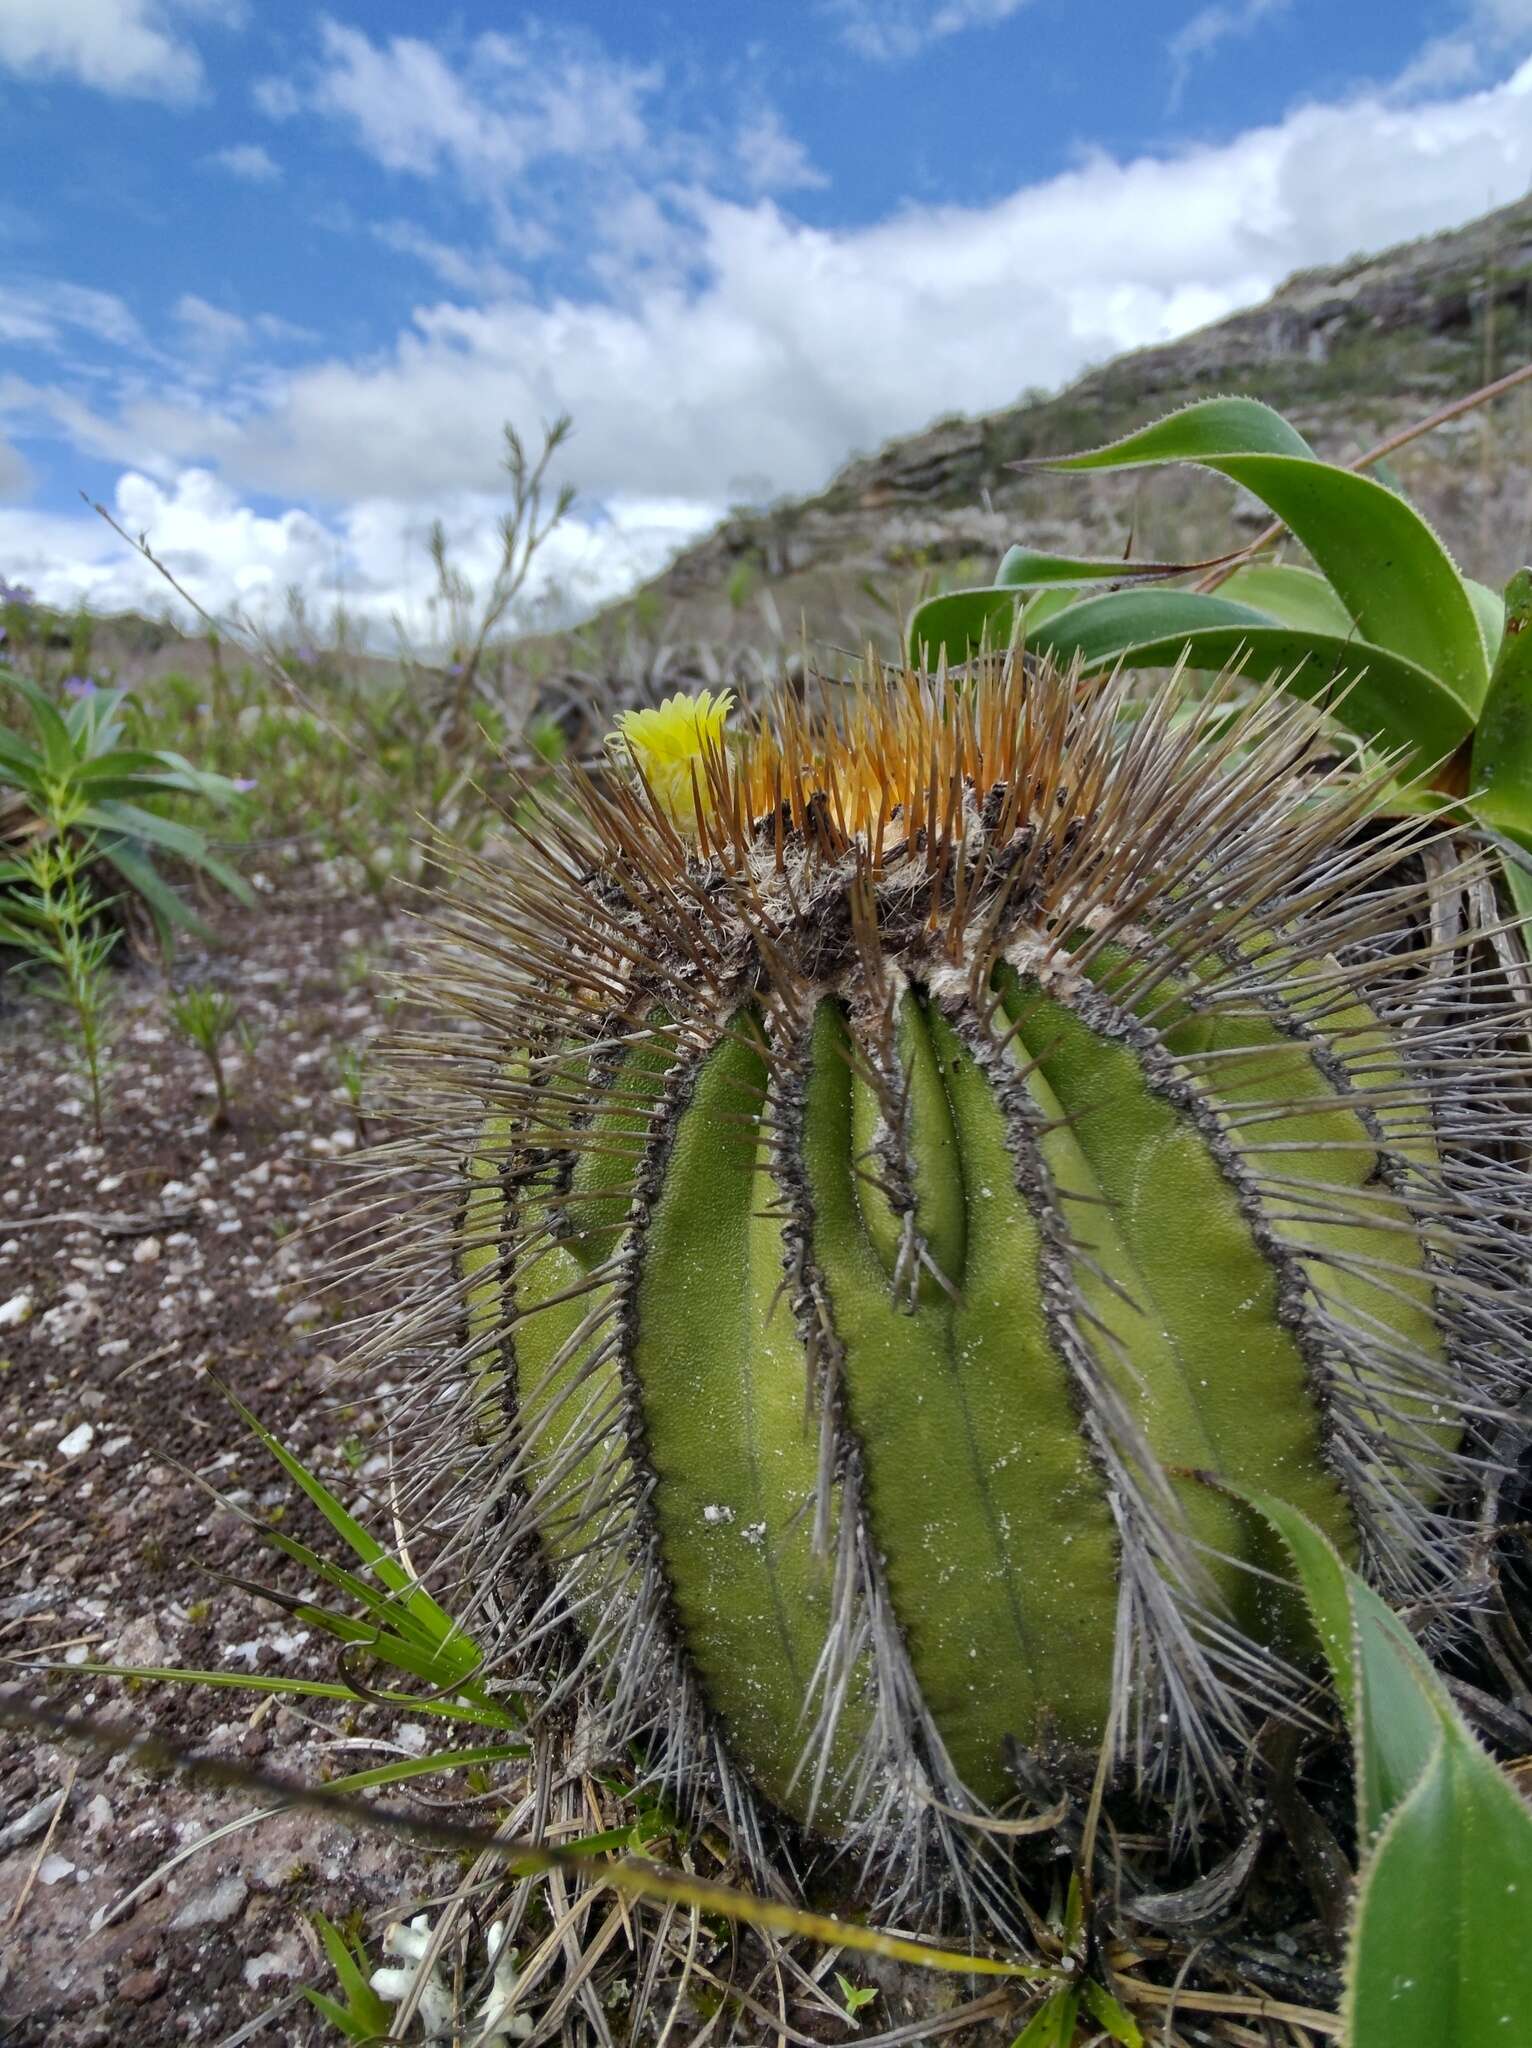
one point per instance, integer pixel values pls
(914, 1151)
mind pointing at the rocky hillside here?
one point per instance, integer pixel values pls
(1350, 353)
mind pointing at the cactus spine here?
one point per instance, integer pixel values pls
(910, 1147)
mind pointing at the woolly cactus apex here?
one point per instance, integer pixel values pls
(909, 1146)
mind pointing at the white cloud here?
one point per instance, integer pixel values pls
(248, 160)
(1487, 31)
(41, 310)
(788, 346)
(511, 101)
(1221, 22)
(235, 559)
(277, 98)
(15, 472)
(890, 30)
(729, 340)
(771, 159)
(210, 330)
(136, 48)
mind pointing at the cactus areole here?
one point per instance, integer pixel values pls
(915, 1149)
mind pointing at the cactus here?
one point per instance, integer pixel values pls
(916, 1149)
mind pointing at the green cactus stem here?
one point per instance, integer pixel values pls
(897, 1156)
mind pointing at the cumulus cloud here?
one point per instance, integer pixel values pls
(237, 560)
(135, 48)
(787, 346)
(249, 161)
(888, 31)
(714, 338)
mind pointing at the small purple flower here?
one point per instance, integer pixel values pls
(305, 655)
(15, 593)
(244, 784)
(79, 686)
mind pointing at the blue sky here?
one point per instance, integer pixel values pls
(272, 276)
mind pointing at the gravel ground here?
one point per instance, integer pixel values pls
(129, 1272)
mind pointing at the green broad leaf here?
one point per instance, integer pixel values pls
(1383, 696)
(169, 911)
(1392, 574)
(344, 2022)
(1117, 2024)
(1518, 883)
(1403, 1706)
(1387, 566)
(1489, 609)
(1440, 1950)
(960, 624)
(1026, 568)
(20, 764)
(1291, 595)
(136, 823)
(1205, 431)
(1500, 770)
(349, 1961)
(1053, 2024)
(1393, 1699)
(107, 766)
(58, 747)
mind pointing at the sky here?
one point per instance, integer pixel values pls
(272, 277)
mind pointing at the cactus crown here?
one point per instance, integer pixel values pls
(906, 1145)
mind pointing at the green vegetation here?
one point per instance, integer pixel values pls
(1425, 666)
(968, 1296)
(77, 771)
(206, 1017)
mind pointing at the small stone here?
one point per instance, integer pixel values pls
(68, 1320)
(302, 1313)
(53, 1868)
(146, 1251)
(15, 1312)
(269, 1964)
(215, 1907)
(28, 1825)
(139, 1643)
(78, 1441)
(139, 1986)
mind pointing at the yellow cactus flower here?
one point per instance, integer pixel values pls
(670, 745)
